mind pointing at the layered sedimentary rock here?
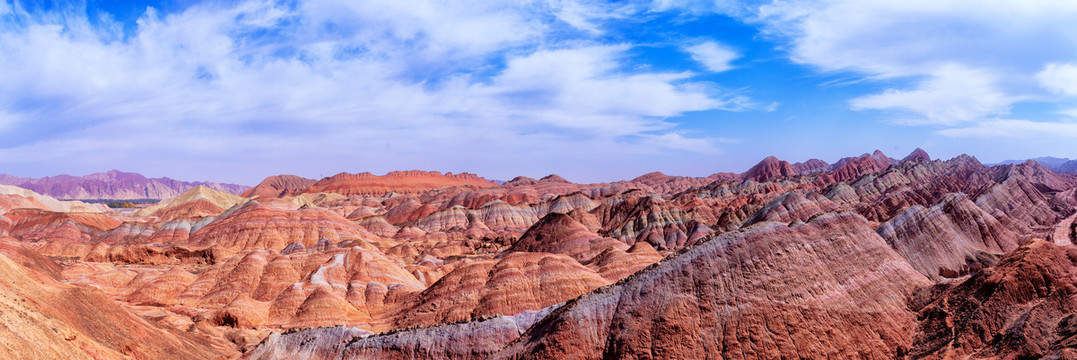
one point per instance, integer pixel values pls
(660, 183)
(804, 260)
(59, 227)
(44, 319)
(645, 218)
(1023, 308)
(917, 156)
(791, 207)
(853, 168)
(769, 169)
(773, 291)
(280, 185)
(509, 285)
(403, 182)
(257, 226)
(467, 340)
(948, 239)
(561, 234)
(115, 184)
(196, 203)
(810, 166)
(13, 197)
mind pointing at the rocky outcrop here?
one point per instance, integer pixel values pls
(918, 155)
(792, 207)
(810, 166)
(638, 217)
(561, 234)
(196, 203)
(507, 286)
(465, 340)
(804, 260)
(279, 186)
(256, 226)
(400, 182)
(59, 227)
(45, 319)
(828, 288)
(769, 169)
(1023, 308)
(948, 239)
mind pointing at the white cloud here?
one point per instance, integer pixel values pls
(1059, 78)
(902, 38)
(590, 15)
(971, 60)
(950, 95)
(245, 88)
(680, 142)
(581, 88)
(1003, 128)
(715, 56)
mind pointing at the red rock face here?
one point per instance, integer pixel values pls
(854, 168)
(719, 296)
(949, 239)
(1022, 308)
(114, 184)
(787, 245)
(510, 285)
(44, 319)
(402, 182)
(918, 155)
(561, 234)
(280, 185)
(256, 226)
(34, 225)
(769, 169)
(872, 257)
(810, 166)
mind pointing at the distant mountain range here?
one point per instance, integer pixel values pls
(112, 185)
(1053, 163)
(118, 185)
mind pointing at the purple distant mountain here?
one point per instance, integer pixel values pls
(114, 185)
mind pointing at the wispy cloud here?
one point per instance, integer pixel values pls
(713, 55)
(951, 95)
(1006, 128)
(381, 83)
(968, 60)
(1060, 78)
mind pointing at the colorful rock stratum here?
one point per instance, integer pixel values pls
(869, 257)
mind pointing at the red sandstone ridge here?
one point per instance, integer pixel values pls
(872, 258)
(45, 319)
(1023, 308)
(114, 184)
(917, 155)
(561, 234)
(401, 182)
(810, 166)
(769, 169)
(852, 168)
(772, 292)
(280, 185)
(258, 226)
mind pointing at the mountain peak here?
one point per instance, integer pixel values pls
(769, 169)
(917, 155)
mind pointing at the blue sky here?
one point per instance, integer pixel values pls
(238, 90)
